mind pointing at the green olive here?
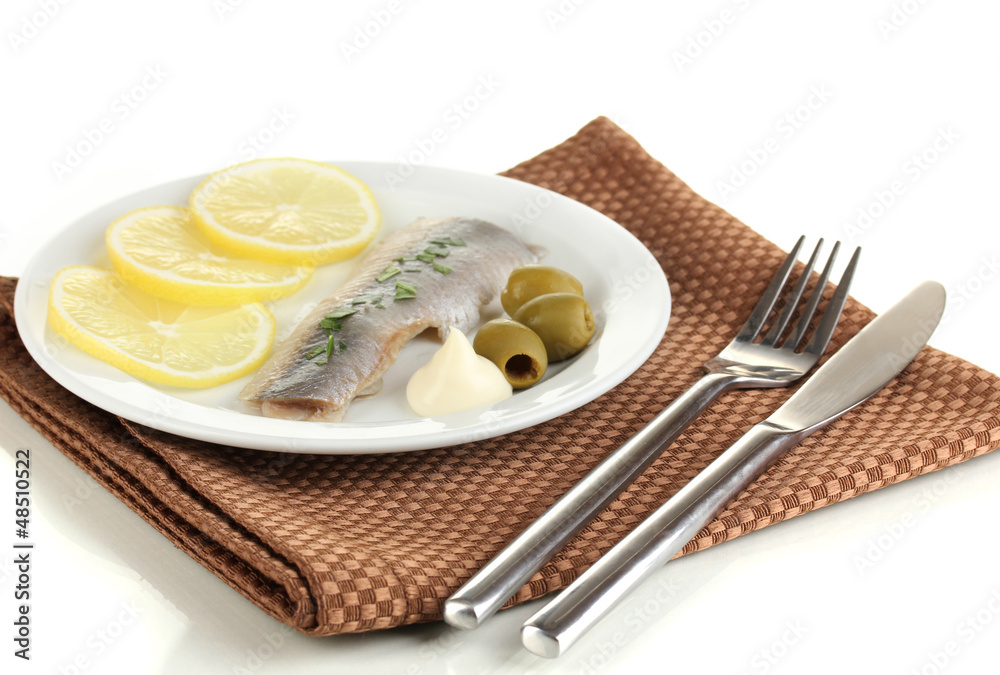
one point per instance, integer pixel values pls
(529, 281)
(563, 321)
(515, 349)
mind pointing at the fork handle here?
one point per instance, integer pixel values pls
(487, 590)
(560, 623)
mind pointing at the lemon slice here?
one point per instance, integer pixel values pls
(160, 250)
(156, 339)
(287, 210)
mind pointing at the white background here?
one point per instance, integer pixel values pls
(904, 580)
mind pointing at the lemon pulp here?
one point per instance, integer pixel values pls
(287, 210)
(162, 251)
(157, 339)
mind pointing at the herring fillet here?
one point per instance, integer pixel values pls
(290, 386)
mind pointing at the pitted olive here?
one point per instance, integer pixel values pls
(515, 349)
(530, 281)
(563, 321)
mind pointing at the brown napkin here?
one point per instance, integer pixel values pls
(340, 544)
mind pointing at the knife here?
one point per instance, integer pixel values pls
(863, 366)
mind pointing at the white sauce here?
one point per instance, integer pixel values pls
(456, 378)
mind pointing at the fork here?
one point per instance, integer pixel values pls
(755, 359)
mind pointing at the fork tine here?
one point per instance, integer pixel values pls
(807, 312)
(774, 334)
(832, 313)
(764, 306)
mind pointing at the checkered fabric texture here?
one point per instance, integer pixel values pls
(344, 544)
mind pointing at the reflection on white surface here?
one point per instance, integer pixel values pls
(780, 600)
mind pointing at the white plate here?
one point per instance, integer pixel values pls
(622, 281)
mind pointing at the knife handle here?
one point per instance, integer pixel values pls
(559, 624)
(487, 590)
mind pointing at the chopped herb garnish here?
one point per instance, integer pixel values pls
(450, 241)
(388, 273)
(405, 290)
(341, 312)
(330, 324)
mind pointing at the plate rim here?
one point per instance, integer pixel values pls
(429, 433)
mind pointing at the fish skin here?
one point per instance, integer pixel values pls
(290, 386)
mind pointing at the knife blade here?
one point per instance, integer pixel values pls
(863, 366)
(868, 362)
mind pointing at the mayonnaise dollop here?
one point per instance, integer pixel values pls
(456, 378)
